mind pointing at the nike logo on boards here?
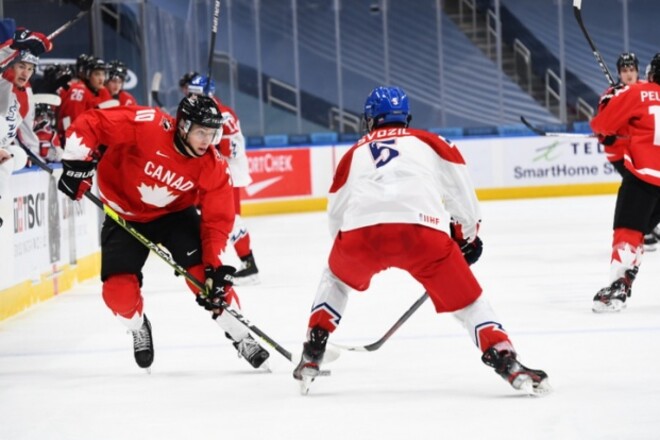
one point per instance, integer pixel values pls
(260, 186)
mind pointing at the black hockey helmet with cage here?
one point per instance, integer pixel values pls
(186, 78)
(117, 69)
(627, 59)
(653, 74)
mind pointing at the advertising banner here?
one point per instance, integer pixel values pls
(282, 172)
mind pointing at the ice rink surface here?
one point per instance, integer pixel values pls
(67, 368)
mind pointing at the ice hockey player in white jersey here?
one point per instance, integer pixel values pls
(403, 198)
(18, 61)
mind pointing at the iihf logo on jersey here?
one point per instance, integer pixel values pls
(382, 152)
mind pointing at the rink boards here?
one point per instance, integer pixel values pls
(49, 243)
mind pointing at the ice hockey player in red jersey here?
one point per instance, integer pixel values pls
(636, 110)
(84, 95)
(232, 148)
(154, 172)
(403, 198)
(117, 73)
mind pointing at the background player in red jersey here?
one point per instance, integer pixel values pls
(635, 109)
(391, 204)
(117, 73)
(84, 95)
(232, 148)
(154, 173)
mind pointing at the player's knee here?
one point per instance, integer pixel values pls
(121, 294)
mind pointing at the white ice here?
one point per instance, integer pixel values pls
(67, 369)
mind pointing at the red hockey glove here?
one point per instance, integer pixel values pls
(218, 284)
(34, 42)
(76, 178)
(471, 251)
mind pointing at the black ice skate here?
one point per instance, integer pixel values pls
(254, 353)
(143, 346)
(248, 274)
(532, 382)
(309, 366)
(613, 298)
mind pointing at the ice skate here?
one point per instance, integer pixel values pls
(248, 274)
(309, 366)
(650, 242)
(532, 382)
(143, 346)
(251, 351)
(613, 298)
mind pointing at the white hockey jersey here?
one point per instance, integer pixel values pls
(17, 108)
(403, 175)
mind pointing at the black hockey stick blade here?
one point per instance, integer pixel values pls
(577, 11)
(376, 345)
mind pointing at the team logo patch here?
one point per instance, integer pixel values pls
(488, 333)
(324, 313)
(382, 152)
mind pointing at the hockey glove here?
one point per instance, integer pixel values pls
(471, 251)
(76, 178)
(33, 42)
(218, 283)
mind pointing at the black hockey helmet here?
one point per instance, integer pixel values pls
(95, 63)
(44, 115)
(199, 110)
(627, 59)
(186, 78)
(81, 64)
(117, 69)
(653, 73)
(196, 109)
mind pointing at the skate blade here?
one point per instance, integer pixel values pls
(540, 390)
(614, 306)
(147, 370)
(308, 376)
(249, 280)
(265, 367)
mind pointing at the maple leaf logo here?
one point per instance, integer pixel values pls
(75, 149)
(156, 195)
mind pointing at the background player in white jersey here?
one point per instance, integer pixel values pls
(403, 198)
(19, 58)
(232, 148)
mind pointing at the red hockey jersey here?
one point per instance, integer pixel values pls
(636, 107)
(142, 175)
(77, 99)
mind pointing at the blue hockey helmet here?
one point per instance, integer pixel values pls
(386, 105)
(201, 85)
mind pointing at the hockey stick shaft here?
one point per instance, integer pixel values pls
(376, 345)
(168, 259)
(541, 132)
(55, 33)
(155, 88)
(577, 11)
(214, 33)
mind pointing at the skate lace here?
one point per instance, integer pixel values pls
(141, 339)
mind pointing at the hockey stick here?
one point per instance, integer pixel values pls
(376, 345)
(214, 33)
(155, 88)
(577, 11)
(167, 258)
(85, 7)
(541, 132)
